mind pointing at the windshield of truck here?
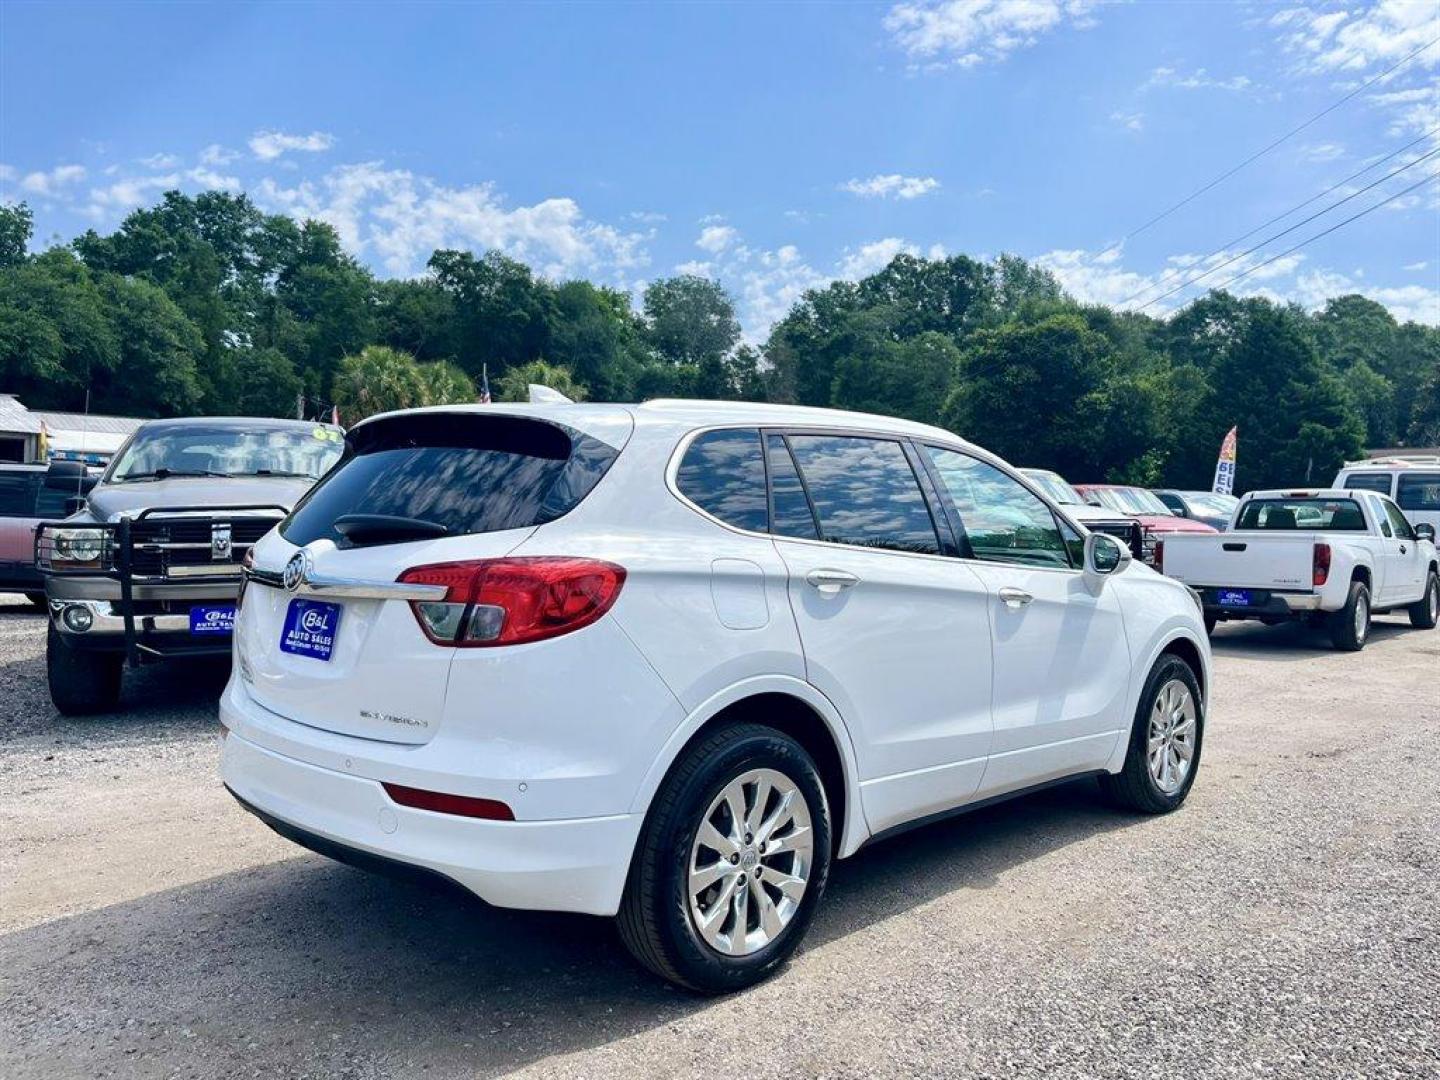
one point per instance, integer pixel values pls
(1134, 501)
(227, 450)
(1318, 515)
(1054, 488)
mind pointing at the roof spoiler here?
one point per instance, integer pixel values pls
(546, 395)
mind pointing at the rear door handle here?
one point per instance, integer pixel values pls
(1015, 598)
(830, 582)
(1403, 549)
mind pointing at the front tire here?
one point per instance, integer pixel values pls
(1165, 742)
(731, 864)
(1425, 612)
(82, 682)
(1350, 626)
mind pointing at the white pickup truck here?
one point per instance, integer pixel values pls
(1333, 558)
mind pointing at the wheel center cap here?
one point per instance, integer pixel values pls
(749, 859)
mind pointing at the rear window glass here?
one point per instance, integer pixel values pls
(1326, 515)
(865, 493)
(466, 473)
(1368, 482)
(1418, 491)
(723, 474)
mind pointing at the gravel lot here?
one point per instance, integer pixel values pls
(1283, 924)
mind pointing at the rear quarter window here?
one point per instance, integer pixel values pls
(723, 473)
(1419, 491)
(1368, 482)
(467, 473)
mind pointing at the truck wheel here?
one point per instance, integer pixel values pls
(1350, 626)
(1165, 741)
(37, 599)
(731, 863)
(81, 682)
(1425, 612)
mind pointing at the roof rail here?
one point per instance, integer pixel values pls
(1421, 460)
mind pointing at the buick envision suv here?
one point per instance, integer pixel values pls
(666, 662)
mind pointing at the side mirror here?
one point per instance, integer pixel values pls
(1425, 531)
(74, 505)
(69, 476)
(1104, 556)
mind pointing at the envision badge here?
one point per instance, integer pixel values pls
(390, 718)
(297, 570)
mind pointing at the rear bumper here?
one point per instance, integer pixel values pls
(577, 865)
(1265, 604)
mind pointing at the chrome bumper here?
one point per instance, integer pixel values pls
(107, 620)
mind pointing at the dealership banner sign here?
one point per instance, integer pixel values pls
(1225, 467)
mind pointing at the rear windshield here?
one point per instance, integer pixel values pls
(462, 472)
(1323, 515)
(1368, 482)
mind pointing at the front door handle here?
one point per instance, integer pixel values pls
(830, 582)
(1015, 598)
(1403, 549)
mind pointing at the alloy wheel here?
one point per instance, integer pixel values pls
(750, 862)
(1170, 749)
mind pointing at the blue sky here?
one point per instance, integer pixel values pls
(775, 146)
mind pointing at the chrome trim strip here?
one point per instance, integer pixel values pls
(350, 588)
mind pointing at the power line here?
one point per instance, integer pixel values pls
(1326, 232)
(1266, 149)
(1283, 232)
(1281, 216)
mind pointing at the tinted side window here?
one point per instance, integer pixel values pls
(1419, 491)
(1174, 502)
(1397, 519)
(1369, 482)
(723, 474)
(1003, 520)
(865, 493)
(791, 514)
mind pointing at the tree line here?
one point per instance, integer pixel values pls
(205, 304)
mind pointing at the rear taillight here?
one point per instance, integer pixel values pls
(1160, 556)
(439, 802)
(511, 601)
(1320, 564)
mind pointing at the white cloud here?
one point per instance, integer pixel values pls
(716, 238)
(647, 217)
(218, 155)
(1093, 279)
(128, 193)
(1199, 79)
(53, 181)
(160, 161)
(269, 145)
(1327, 151)
(399, 218)
(1130, 121)
(7, 172)
(695, 268)
(209, 178)
(873, 257)
(891, 186)
(972, 32)
(1367, 36)
(1415, 267)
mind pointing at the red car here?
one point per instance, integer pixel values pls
(1145, 507)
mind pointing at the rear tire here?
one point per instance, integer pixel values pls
(82, 682)
(1169, 724)
(677, 880)
(1425, 612)
(1350, 626)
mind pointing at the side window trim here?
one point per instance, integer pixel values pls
(945, 503)
(784, 438)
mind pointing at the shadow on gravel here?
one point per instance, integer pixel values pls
(309, 966)
(1293, 641)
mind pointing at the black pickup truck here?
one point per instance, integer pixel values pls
(148, 567)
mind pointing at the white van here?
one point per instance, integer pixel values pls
(1413, 482)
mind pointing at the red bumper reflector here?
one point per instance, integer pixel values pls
(441, 803)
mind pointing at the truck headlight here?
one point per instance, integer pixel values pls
(77, 545)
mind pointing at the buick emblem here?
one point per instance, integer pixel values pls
(297, 570)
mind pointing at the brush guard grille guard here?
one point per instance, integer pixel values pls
(118, 543)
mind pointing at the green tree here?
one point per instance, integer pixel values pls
(16, 223)
(267, 384)
(691, 325)
(56, 331)
(514, 385)
(503, 313)
(380, 379)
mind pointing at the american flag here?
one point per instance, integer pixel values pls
(485, 384)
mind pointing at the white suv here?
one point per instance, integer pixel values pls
(667, 661)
